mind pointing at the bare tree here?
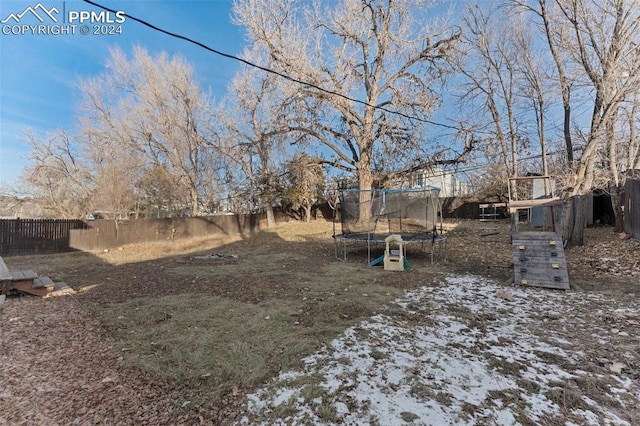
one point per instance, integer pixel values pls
(152, 107)
(556, 36)
(382, 52)
(60, 179)
(114, 192)
(492, 78)
(534, 87)
(307, 183)
(594, 46)
(605, 43)
(115, 169)
(255, 116)
(632, 119)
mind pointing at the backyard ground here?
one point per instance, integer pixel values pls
(273, 329)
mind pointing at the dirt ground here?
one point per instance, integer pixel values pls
(604, 264)
(68, 360)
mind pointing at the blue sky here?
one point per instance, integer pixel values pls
(39, 73)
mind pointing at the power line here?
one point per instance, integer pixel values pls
(269, 70)
(486, 166)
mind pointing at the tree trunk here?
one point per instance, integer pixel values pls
(307, 213)
(194, 201)
(579, 212)
(566, 128)
(567, 219)
(365, 183)
(271, 218)
(617, 201)
(573, 222)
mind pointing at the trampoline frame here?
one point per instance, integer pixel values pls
(414, 238)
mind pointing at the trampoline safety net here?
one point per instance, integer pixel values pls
(388, 211)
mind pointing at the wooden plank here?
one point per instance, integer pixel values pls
(537, 282)
(517, 178)
(538, 262)
(27, 287)
(61, 285)
(539, 270)
(4, 271)
(23, 275)
(535, 235)
(538, 247)
(539, 242)
(541, 202)
(533, 248)
(61, 289)
(551, 254)
(5, 278)
(557, 277)
(43, 282)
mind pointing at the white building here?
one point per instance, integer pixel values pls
(449, 184)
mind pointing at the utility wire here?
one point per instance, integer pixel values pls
(488, 165)
(269, 70)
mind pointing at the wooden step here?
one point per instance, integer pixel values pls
(40, 282)
(23, 276)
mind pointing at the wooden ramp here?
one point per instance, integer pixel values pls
(539, 261)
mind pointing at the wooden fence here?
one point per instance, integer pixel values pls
(632, 207)
(45, 236)
(106, 234)
(36, 236)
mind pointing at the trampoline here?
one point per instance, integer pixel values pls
(368, 217)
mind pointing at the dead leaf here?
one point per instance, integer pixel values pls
(617, 367)
(505, 294)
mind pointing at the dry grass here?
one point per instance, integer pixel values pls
(218, 329)
(249, 318)
(141, 252)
